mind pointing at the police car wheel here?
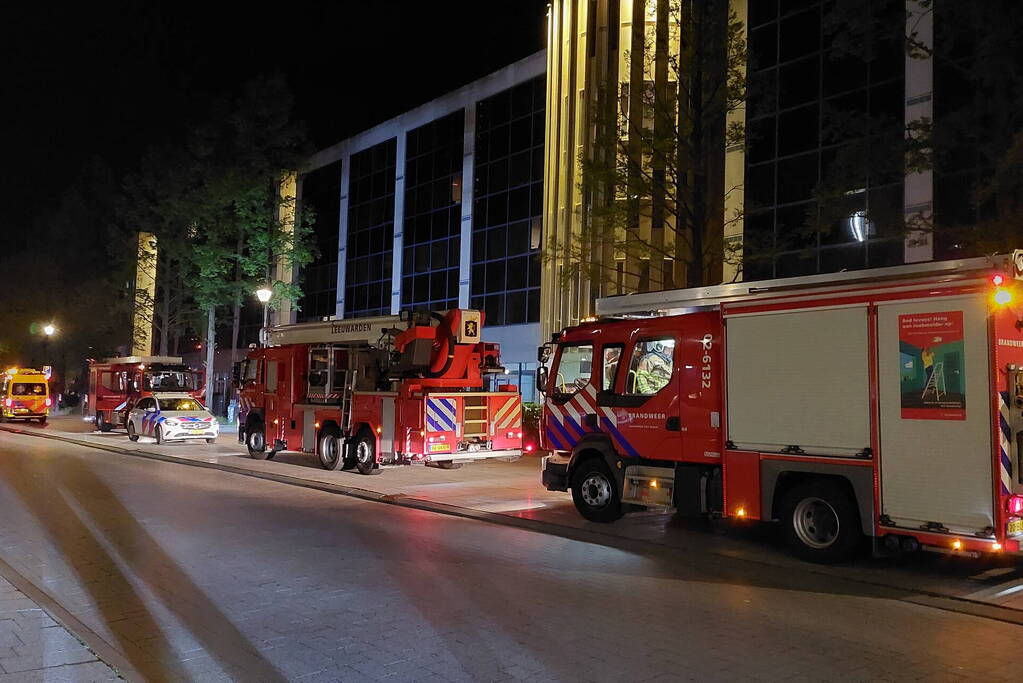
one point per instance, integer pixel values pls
(211, 441)
(159, 435)
(132, 434)
(365, 454)
(595, 493)
(329, 449)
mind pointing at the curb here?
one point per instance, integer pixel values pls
(639, 546)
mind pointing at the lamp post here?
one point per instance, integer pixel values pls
(48, 331)
(264, 294)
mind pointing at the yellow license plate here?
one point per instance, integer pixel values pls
(439, 447)
(1015, 527)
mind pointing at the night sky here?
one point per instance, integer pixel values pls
(108, 79)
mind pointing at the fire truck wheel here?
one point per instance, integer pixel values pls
(132, 434)
(594, 491)
(365, 454)
(101, 422)
(159, 435)
(448, 465)
(41, 420)
(329, 451)
(821, 521)
(255, 440)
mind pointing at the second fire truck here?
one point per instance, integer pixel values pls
(367, 392)
(886, 404)
(117, 384)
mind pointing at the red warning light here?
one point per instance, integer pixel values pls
(997, 280)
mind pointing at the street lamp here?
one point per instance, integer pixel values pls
(264, 294)
(49, 329)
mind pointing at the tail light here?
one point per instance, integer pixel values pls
(48, 402)
(1014, 505)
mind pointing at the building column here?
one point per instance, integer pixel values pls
(286, 207)
(342, 239)
(144, 309)
(399, 222)
(735, 177)
(468, 176)
(918, 197)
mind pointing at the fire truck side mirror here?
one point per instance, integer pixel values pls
(236, 375)
(543, 353)
(541, 379)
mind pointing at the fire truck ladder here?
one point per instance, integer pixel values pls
(347, 387)
(936, 382)
(475, 417)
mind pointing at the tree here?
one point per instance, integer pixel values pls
(653, 199)
(218, 207)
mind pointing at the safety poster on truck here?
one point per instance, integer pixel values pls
(932, 366)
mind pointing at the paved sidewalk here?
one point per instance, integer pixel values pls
(33, 647)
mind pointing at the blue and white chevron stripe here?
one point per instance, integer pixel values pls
(440, 415)
(1004, 443)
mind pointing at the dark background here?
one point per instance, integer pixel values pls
(107, 79)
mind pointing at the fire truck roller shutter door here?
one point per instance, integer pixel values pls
(799, 379)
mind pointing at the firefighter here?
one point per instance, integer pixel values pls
(654, 369)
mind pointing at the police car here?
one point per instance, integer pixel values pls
(171, 417)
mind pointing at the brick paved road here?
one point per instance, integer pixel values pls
(198, 574)
(33, 647)
(514, 490)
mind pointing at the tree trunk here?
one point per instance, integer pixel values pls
(211, 347)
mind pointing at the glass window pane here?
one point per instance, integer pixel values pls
(651, 366)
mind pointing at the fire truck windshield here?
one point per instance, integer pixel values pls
(170, 380)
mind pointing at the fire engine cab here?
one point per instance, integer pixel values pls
(367, 392)
(116, 385)
(884, 403)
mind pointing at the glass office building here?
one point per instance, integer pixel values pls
(438, 208)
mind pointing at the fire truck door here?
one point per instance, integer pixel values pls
(935, 413)
(645, 417)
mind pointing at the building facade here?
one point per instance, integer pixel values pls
(438, 208)
(830, 87)
(814, 169)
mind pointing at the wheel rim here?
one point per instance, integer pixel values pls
(256, 441)
(363, 453)
(815, 522)
(596, 490)
(328, 449)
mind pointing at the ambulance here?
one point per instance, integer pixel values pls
(24, 395)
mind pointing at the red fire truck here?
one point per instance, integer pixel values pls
(884, 403)
(367, 392)
(116, 384)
